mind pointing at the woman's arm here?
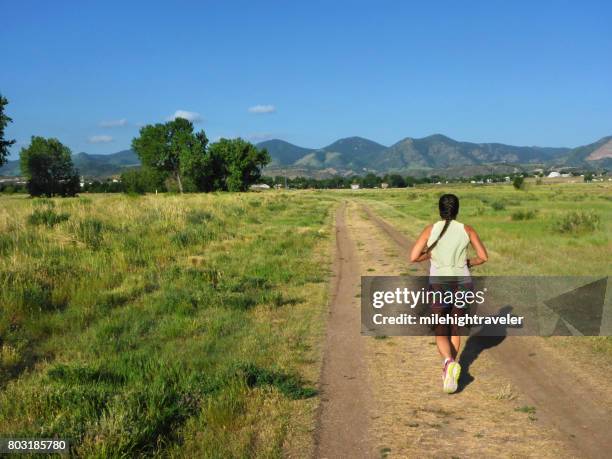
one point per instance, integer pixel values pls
(481, 252)
(416, 254)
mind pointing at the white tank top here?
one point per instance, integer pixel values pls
(449, 256)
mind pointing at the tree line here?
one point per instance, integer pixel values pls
(372, 180)
(134, 181)
(172, 155)
(176, 158)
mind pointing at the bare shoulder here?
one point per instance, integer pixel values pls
(427, 230)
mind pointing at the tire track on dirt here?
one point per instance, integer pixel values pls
(565, 399)
(342, 427)
(413, 417)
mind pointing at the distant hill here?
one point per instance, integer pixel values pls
(599, 153)
(10, 169)
(89, 165)
(284, 153)
(355, 152)
(105, 165)
(436, 153)
(440, 152)
(356, 155)
(350, 153)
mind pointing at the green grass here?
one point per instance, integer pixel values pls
(191, 326)
(526, 409)
(525, 231)
(524, 214)
(538, 231)
(163, 325)
(577, 222)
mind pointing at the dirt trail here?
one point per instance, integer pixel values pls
(395, 407)
(345, 397)
(564, 396)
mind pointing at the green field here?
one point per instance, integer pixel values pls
(192, 325)
(163, 324)
(559, 229)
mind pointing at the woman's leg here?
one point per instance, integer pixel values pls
(455, 344)
(444, 346)
(455, 332)
(443, 335)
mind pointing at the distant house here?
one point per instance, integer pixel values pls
(259, 187)
(384, 185)
(554, 174)
(354, 186)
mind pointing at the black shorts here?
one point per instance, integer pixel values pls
(449, 329)
(448, 309)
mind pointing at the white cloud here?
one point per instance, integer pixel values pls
(114, 123)
(190, 116)
(261, 109)
(100, 139)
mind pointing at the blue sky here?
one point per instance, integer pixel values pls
(525, 73)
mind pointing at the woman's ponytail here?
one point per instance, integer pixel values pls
(449, 208)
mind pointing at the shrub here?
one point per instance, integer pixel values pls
(90, 231)
(291, 386)
(6, 243)
(498, 205)
(43, 202)
(518, 182)
(192, 235)
(198, 217)
(47, 217)
(577, 222)
(524, 214)
(478, 211)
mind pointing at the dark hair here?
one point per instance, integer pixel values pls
(449, 208)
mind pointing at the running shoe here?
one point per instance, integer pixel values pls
(452, 370)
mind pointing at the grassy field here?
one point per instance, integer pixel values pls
(191, 326)
(559, 229)
(163, 325)
(544, 230)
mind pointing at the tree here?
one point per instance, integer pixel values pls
(4, 121)
(370, 180)
(395, 180)
(173, 147)
(142, 180)
(588, 177)
(238, 162)
(518, 182)
(47, 164)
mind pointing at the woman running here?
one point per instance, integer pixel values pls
(445, 244)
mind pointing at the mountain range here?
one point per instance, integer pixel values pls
(433, 154)
(89, 165)
(356, 155)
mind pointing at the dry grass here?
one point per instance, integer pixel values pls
(164, 325)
